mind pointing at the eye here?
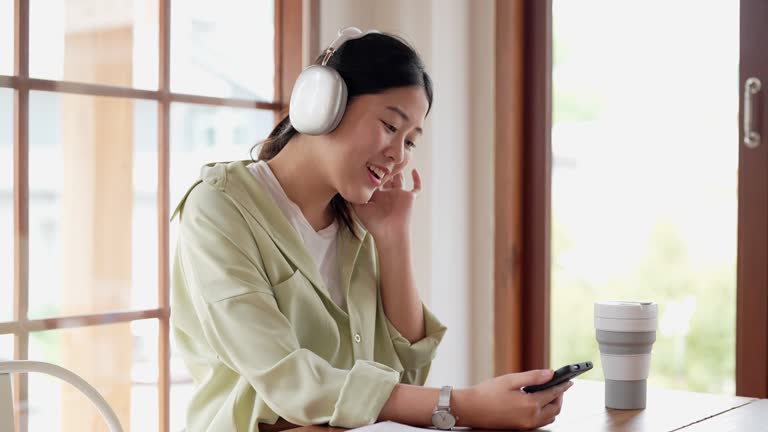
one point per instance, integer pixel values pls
(389, 126)
(410, 144)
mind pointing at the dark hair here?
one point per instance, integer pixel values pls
(372, 64)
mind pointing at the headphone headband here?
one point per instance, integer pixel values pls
(344, 35)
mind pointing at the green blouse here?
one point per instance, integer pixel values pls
(256, 328)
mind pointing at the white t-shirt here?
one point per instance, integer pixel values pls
(320, 244)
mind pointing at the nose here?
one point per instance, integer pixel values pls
(396, 150)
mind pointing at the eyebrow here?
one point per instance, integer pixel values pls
(404, 116)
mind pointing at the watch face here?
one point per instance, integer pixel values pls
(443, 420)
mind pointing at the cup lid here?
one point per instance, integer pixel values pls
(626, 310)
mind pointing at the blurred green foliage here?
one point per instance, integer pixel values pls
(703, 359)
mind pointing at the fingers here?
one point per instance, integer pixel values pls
(546, 396)
(416, 181)
(531, 377)
(552, 409)
(397, 181)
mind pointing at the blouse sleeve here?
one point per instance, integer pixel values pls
(417, 357)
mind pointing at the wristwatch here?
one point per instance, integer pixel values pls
(441, 416)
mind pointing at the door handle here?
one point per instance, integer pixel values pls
(752, 87)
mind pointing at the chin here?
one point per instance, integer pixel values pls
(358, 196)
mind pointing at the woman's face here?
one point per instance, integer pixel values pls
(375, 140)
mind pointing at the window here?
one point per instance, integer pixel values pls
(642, 208)
(119, 105)
(611, 148)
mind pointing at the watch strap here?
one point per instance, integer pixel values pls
(444, 401)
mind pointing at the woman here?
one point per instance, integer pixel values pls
(293, 290)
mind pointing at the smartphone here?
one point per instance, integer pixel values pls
(561, 375)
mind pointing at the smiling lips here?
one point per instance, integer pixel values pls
(376, 173)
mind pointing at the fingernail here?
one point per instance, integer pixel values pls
(546, 372)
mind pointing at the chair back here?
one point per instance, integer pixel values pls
(24, 366)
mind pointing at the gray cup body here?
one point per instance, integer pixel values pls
(629, 393)
(625, 395)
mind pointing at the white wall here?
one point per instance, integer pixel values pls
(482, 16)
(453, 219)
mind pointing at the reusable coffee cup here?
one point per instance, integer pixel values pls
(626, 331)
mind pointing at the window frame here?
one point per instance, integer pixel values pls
(289, 16)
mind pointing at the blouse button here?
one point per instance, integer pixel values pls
(357, 337)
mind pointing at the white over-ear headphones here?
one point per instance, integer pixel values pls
(319, 97)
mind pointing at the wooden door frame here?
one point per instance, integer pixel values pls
(752, 267)
(522, 184)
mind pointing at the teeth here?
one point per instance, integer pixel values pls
(379, 172)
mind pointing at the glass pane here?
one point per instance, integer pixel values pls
(6, 347)
(112, 42)
(181, 390)
(202, 134)
(119, 360)
(223, 49)
(6, 37)
(6, 204)
(644, 184)
(93, 204)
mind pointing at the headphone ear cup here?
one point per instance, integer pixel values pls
(318, 100)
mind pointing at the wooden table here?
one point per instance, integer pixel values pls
(668, 410)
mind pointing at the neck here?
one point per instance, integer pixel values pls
(297, 171)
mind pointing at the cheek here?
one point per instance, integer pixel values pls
(364, 142)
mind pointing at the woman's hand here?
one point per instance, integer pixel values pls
(498, 403)
(388, 213)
